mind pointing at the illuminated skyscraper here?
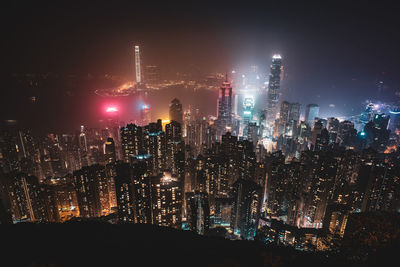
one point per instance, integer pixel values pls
(175, 111)
(131, 141)
(225, 104)
(83, 146)
(273, 89)
(138, 65)
(110, 151)
(248, 109)
(312, 112)
(155, 146)
(124, 192)
(166, 200)
(145, 115)
(246, 206)
(23, 192)
(92, 190)
(141, 188)
(289, 117)
(224, 109)
(284, 112)
(198, 211)
(174, 147)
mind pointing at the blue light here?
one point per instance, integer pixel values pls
(143, 156)
(362, 133)
(156, 134)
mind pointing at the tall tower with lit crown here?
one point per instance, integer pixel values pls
(225, 103)
(273, 89)
(138, 65)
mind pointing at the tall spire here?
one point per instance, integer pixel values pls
(138, 65)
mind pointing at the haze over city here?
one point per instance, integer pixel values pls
(344, 54)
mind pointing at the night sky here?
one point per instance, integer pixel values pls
(333, 52)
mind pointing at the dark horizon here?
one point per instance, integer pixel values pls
(352, 40)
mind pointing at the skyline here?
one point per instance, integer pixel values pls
(200, 134)
(327, 109)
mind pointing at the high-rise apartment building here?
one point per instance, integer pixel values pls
(198, 211)
(92, 188)
(124, 192)
(132, 139)
(247, 198)
(166, 200)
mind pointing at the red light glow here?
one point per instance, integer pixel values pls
(111, 109)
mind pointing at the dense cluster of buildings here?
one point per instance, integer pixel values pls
(255, 173)
(253, 111)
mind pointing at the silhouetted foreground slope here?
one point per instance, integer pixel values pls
(103, 244)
